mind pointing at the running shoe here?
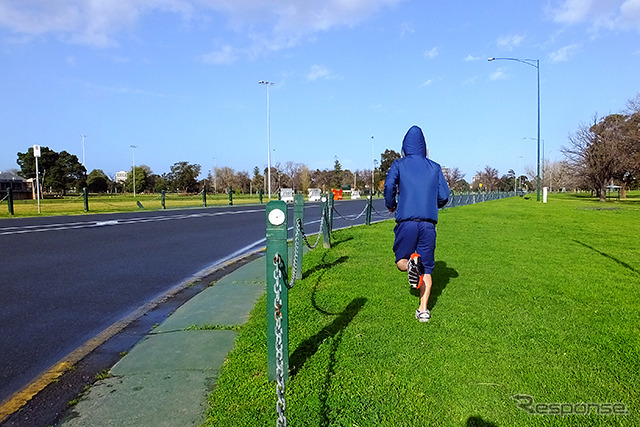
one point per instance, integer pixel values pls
(415, 271)
(423, 316)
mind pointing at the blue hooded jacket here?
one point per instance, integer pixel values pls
(417, 181)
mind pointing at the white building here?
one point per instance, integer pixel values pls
(121, 177)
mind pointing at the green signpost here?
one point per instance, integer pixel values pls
(277, 247)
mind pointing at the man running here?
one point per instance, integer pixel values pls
(421, 190)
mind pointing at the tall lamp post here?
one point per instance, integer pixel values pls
(267, 84)
(83, 162)
(536, 64)
(215, 175)
(133, 169)
(373, 166)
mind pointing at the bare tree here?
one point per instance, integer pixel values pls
(453, 176)
(488, 178)
(592, 154)
(293, 170)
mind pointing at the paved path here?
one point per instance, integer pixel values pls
(166, 378)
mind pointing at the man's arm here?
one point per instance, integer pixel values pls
(390, 188)
(443, 191)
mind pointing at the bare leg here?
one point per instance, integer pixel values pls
(425, 291)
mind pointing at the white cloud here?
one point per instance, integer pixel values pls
(98, 23)
(572, 11)
(224, 56)
(92, 23)
(499, 74)
(509, 42)
(430, 54)
(471, 58)
(318, 72)
(427, 83)
(564, 53)
(406, 28)
(608, 14)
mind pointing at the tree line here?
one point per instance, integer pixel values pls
(607, 151)
(600, 153)
(62, 172)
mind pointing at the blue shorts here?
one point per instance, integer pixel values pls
(416, 236)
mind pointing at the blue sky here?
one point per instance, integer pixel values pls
(179, 79)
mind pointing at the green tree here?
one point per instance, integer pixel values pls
(97, 181)
(386, 159)
(257, 180)
(336, 181)
(185, 176)
(140, 181)
(508, 181)
(58, 171)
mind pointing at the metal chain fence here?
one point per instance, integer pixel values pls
(281, 403)
(463, 199)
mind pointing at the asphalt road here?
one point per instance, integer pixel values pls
(63, 280)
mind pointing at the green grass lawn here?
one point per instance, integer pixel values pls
(528, 299)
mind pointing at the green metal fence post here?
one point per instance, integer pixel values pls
(326, 235)
(368, 214)
(276, 245)
(298, 214)
(204, 195)
(230, 196)
(162, 196)
(85, 196)
(10, 200)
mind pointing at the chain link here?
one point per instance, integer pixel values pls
(296, 250)
(281, 404)
(350, 219)
(304, 236)
(378, 213)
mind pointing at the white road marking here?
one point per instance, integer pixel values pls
(5, 231)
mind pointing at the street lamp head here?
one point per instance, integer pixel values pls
(491, 59)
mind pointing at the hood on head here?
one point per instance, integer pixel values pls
(414, 143)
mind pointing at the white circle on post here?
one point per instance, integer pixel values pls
(276, 217)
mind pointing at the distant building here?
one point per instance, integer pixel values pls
(22, 188)
(121, 177)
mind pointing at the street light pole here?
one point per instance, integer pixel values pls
(536, 64)
(215, 176)
(133, 170)
(373, 166)
(267, 84)
(83, 162)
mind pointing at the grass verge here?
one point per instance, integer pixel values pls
(528, 299)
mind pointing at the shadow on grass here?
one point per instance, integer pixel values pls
(440, 279)
(606, 255)
(336, 242)
(310, 346)
(324, 265)
(479, 422)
